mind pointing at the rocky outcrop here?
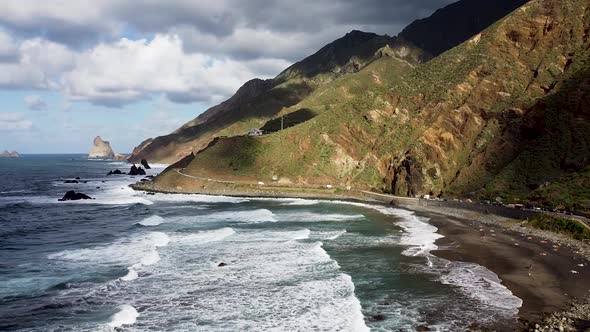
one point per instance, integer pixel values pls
(74, 196)
(115, 172)
(145, 164)
(136, 171)
(6, 154)
(101, 149)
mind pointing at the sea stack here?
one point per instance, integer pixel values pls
(6, 154)
(101, 149)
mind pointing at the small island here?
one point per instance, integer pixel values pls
(7, 154)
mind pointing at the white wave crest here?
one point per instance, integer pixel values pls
(316, 217)
(127, 315)
(135, 252)
(483, 285)
(205, 236)
(131, 275)
(248, 216)
(328, 235)
(151, 221)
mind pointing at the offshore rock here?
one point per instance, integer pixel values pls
(73, 196)
(101, 149)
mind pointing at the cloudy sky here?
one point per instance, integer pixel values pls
(133, 69)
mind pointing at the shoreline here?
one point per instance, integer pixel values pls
(534, 265)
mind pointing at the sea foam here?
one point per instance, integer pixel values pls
(127, 315)
(247, 216)
(204, 236)
(151, 221)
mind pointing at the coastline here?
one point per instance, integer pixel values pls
(534, 265)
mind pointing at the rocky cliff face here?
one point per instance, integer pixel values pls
(7, 154)
(505, 113)
(101, 149)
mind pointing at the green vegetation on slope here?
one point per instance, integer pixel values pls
(499, 115)
(560, 225)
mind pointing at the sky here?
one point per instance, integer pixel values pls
(128, 70)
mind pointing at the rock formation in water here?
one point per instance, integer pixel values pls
(73, 196)
(115, 172)
(145, 164)
(101, 149)
(6, 154)
(136, 170)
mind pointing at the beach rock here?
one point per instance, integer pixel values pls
(378, 317)
(222, 264)
(422, 328)
(115, 172)
(145, 164)
(101, 149)
(70, 181)
(136, 170)
(74, 196)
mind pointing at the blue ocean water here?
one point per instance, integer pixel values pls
(129, 261)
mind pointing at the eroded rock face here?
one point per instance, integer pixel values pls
(101, 149)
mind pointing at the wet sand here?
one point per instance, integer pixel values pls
(537, 270)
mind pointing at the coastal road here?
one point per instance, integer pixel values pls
(381, 197)
(179, 171)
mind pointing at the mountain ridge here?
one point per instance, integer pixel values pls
(504, 114)
(259, 101)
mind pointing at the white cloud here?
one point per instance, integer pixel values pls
(8, 48)
(130, 70)
(197, 51)
(14, 121)
(40, 64)
(35, 103)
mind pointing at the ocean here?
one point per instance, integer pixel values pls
(129, 261)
